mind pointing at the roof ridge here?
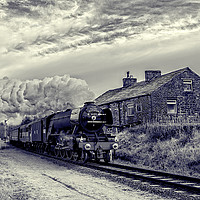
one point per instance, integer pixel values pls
(138, 89)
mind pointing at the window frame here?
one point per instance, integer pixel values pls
(172, 102)
(187, 82)
(130, 110)
(138, 105)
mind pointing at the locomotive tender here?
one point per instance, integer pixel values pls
(74, 134)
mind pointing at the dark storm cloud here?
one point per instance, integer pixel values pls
(59, 25)
(18, 8)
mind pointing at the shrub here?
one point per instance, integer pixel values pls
(173, 148)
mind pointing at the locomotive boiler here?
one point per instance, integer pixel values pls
(76, 134)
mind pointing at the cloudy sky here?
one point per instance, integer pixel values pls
(97, 41)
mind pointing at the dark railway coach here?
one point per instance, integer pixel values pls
(75, 134)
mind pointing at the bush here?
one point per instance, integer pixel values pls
(171, 148)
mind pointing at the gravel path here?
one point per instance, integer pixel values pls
(26, 176)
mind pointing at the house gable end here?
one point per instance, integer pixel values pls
(172, 98)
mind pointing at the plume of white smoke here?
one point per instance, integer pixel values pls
(37, 98)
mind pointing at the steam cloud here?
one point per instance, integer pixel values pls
(37, 98)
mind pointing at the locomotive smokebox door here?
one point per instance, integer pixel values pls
(92, 118)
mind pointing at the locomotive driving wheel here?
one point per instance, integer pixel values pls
(98, 154)
(57, 152)
(68, 154)
(107, 156)
(63, 153)
(84, 156)
(75, 156)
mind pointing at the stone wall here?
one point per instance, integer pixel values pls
(188, 102)
(120, 111)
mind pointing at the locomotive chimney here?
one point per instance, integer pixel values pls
(88, 103)
(129, 80)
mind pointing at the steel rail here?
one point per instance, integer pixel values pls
(186, 183)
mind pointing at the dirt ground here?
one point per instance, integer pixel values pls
(27, 176)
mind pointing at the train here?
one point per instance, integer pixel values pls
(75, 134)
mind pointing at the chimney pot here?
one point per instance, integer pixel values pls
(128, 74)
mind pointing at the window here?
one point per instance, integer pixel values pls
(130, 110)
(171, 107)
(138, 107)
(187, 84)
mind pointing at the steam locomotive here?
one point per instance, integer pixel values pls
(76, 134)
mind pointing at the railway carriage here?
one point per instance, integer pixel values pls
(14, 135)
(24, 135)
(20, 135)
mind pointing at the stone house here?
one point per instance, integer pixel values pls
(175, 95)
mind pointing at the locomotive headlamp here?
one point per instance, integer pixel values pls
(115, 146)
(94, 117)
(87, 146)
(116, 139)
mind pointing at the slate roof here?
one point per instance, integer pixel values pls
(138, 89)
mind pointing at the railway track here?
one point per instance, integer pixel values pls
(181, 183)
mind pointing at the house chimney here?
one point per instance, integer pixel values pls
(129, 80)
(152, 74)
